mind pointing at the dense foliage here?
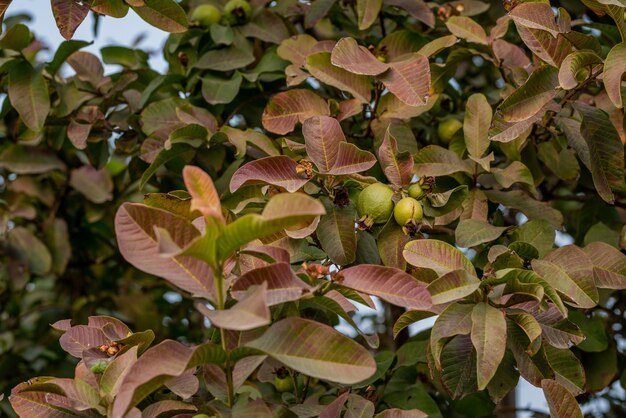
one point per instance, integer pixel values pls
(463, 160)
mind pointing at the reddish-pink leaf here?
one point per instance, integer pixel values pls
(419, 9)
(401, 413)
(80, 338)
(256, 256)
(27, 403)
(333, 410)
(510, 55)
(286, 109)
(69, 14)
(250, 312)
(159, 365)
(409, 80)
(316, 350)
(550, 49)
(466, 28)
(185, 385)
(561, 402)
(204, 197)
(535, 16)
(398, 166)
(296, 49)
(351, 159)
(278, 171)
(282, 283)
(167, 407)
(322, 136)
(388, 283)
(320, 67)
(135, 229)
(349, 108)
(355, 58)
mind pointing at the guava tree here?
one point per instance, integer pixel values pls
(300, 161)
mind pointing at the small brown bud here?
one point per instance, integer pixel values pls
(304, 169)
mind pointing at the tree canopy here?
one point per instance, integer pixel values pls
(194, 239)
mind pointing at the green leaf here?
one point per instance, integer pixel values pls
(476, 125)
(29, 249)
(166, 15)
(367, 12)
(600, 369)
(176, 151)
(568, 371)
(605, 149)
(16, 38)
(454, 320)
(216, 90)
(561, 402)
(28, 93)
(408, 318)
(530, 207)
(336, 232)
(459, 367)
(433, 160)
(22, 159)
(576, 67)
(594, 329)
(436, 255)
(526, 101)
(453, 286)
(282, 211)
(488, 330)
(65, 49)
(570, 271)
(321, 351)
(233, 57)
(113, 8)
(538, 233)
(473, 232)
(614, 69)
(519, 279)
(516, 172)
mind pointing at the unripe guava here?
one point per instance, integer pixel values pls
(283, 384)
(206, 15)
(99, 367)
(237, 12)
(416, 191)
(407, 209)
(375, 203)
(448, 128)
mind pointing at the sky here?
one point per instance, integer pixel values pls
(125, 32)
